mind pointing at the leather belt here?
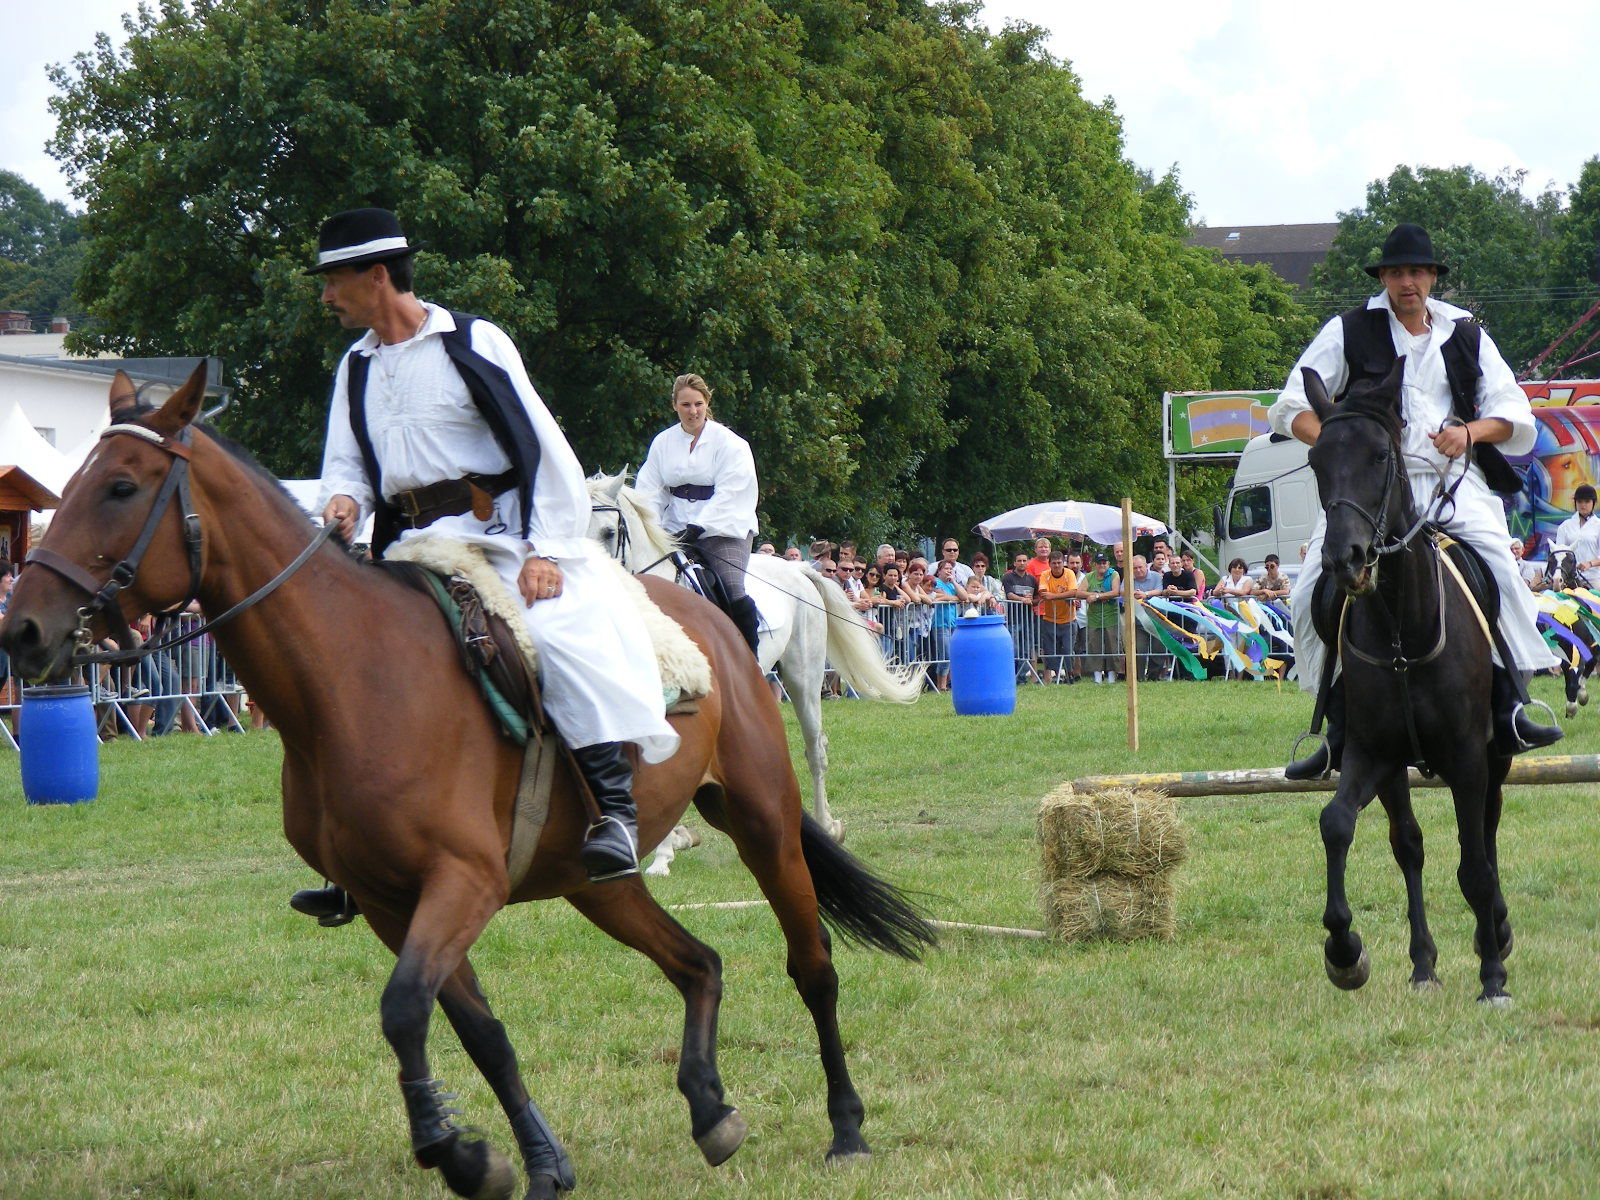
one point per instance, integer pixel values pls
(421, 507)
(694, 491)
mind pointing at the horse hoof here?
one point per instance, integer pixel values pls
(1572, 710)
(1426, 985)
(478, 1171)
(657, 867)
(846, 1158)
(720, 1141)
(1583, 695)
(1349, 978)
(1500, 1001)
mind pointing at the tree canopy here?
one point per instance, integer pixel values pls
(40, 249)
(907, 253)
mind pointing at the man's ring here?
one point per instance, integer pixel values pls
(551, 590)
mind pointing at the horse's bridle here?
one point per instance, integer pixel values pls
(103, 596)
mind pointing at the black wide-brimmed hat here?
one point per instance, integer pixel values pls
(1407, 246)
(359, 237)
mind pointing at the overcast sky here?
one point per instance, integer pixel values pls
(1273, 113)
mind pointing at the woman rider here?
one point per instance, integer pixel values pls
(702, 478)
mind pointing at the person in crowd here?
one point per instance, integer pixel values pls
(826, 567)
(1187, 558)
(950, 552)
(891, 602)
(1273, 584)
(820, 549)
(1464, 429)
(1178, 582)
(902, 559)
(1235, 584)
(701, 477)
(918, 610)
(1058, 618)
(1019, 588)
(8, 691)
(984, 589)
(1532, 572)
(1040, 562)
(1099, 590)
(766, 548)
(847, 550)
(1117, 564)
(945, 598)
(884, 556)
(410, 436)
(1580, 533)
(1143, 584)
(792, 554)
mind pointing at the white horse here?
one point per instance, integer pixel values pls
(806, 624)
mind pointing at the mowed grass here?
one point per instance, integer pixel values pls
(168, 1028)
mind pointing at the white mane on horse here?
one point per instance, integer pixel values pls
(616, 490)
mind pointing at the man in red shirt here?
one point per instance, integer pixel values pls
(1040, 562)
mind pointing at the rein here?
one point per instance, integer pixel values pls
(103, 597)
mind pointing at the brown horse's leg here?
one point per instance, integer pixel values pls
(453, 910)
(485, 1041)
(1405, 840)
(626, 911)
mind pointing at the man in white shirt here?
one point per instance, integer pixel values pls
(1419, 328)
(439, 408)
(1580, 534)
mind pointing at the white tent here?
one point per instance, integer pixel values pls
(21, 446)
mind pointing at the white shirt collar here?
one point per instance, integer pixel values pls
(437, 320)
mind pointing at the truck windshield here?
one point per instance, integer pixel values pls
(1250, 511)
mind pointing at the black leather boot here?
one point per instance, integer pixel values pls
(743, 612)
(1330, 751)
(611, 847)
(331, 905)
(1514, 729)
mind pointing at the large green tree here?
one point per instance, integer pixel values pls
(40, 250)
(1570, 264)
(908, 253)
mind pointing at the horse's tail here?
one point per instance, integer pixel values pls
(854, 652)
(863, 908)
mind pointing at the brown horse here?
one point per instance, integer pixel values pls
(403, 795)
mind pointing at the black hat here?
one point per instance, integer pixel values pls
(1407, 246)
(1102, 557)
(359, 237)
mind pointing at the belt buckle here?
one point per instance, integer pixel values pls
(409, 505)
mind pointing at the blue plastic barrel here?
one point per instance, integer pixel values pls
(60, 752)
(983, 680)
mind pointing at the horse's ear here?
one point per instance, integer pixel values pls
(183, 406)
(614, 485)
(1395, 377)
(124, 394)
(1317, 393)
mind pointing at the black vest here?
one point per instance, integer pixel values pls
(1369, 353)
(497, 400)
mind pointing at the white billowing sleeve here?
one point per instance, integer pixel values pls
(1500, 396)
(731, 511)
(1325, 356)
(344, 473)
(560, 520)
(649, 483)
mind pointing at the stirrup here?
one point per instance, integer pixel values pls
(629, 838)
(1323, 744)
(1552, 724)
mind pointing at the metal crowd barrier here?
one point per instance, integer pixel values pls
(189, 688)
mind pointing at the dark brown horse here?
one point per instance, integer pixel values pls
(403, 795)
(1417, 677)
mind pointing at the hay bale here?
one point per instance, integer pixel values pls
(1119, 831)
(1111, 907)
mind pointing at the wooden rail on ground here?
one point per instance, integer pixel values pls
(1572, 768)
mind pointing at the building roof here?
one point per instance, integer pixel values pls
(1290, 250)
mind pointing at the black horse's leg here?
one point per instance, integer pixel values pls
(1492, 802)
(1344, 957)
(1477, 874)
(431, 945)
(1405, 839)
(626, 911)
(485, 1041)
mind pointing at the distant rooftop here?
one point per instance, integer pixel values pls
(1290, 250)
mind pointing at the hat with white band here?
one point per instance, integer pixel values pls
(358, 238)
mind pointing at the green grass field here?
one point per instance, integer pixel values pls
(171, 1029)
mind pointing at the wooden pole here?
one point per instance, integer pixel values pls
(1573, 768)
(1130, 660)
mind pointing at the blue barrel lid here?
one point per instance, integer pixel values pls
(55, 691)
(984, 619)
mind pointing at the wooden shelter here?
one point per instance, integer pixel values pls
(20, 497)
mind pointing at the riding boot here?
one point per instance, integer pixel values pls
(331, 905)
(743, 612)
(1330, 751)
(611, 847)
(1514, 729)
